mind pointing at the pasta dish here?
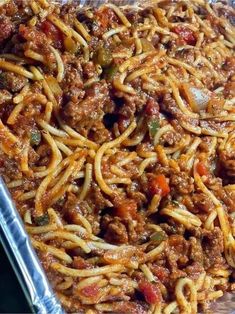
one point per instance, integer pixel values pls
(117, 143)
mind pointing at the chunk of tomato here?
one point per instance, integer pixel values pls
(53, 33)
(90, 291)
(186, 34)
(127, 209)
(151, 292)
(159, 185)
(202, 169)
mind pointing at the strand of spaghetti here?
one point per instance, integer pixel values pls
(183, 216)
(44, 3)
(19, 98)
(223, 219)
(79, 175)
(79, 26)
(28, 217)
(60, 64)
(87, 272)
(151, 255)
(26, 196)
(35, 7)
(184, 142)
(15, 113)
(188, 67)
(61, 25)
(81, 41)
(45, 85)
(66, 284)
(86, 224)
(66, 236)
(221, 118)
(161, 156)
(64, 178)
(138, 44)
(51, 250)
(118, 171)
(138, 73)
(118, 84)
(170, 308)
(163, 130)
(228, 27)
(98, 158)
(88, 282)
(186, 306)
(220, 272)
(145, 154)
(41, 229)
(201, 279)
(65, 174)
(8, 66)
(153, 207)
(145, 163)
(34, 55)
(12, 57)
(209, 223)
(67, 151)
(114, 31)
(158, 29)
(56, 156)
(119, 13)
(72, 142)
(134, 61)
(14, 184)
(24, 158)
(191, 128)
(179, 100)
(147, 272)
(118, 181)
(157, 309)
(101, 245)
(46, 126)
(76, 135)
(81, 231)
(44, 184)
(9, 143)
(206, 29)
(54, 217)
(87, 181)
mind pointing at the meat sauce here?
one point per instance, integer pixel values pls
(117, 146)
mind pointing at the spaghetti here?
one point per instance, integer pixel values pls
(117, 142)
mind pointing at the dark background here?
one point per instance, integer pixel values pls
(12, 297)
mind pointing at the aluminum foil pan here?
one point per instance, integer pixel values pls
(23, 258)
(17, 243)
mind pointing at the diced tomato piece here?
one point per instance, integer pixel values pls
(159, 185)
(106, 16)
(90, 291)
(186, 34)
(80, 263)
(127, 209)
(202, 169)
(53, 33)
(161, 273)
(151, 292)
(152, 108)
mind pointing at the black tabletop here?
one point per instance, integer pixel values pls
(12, 297)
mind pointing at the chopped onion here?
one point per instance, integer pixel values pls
(54, 86)
(197, 98)
(147, 45)
(122, 255)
